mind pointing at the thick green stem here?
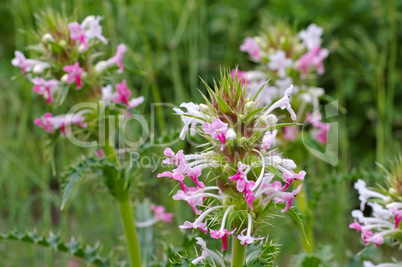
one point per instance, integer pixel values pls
(131, 233)
(238, 253)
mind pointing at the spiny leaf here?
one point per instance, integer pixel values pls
(75, 173)
(87, 253)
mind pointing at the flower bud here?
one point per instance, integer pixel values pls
(393, 192)
(227, 169)
(40, 67)
(205, 109)
(266, 120)
(100, 66)
(62, 43)
(248, 107)
(82, 48)
(47, 37)
(230, 134)
(64, 78)
(289, 164)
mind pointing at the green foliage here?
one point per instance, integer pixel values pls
(262, 254)
(85, 252)
(113, 176)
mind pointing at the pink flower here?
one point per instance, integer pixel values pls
(221, 234)
(248, 193)
(118, 58)
(312, 58)
(356, 225)
(241, 177)
(45, 88)
(322, 128)
(217, 130)
(290, 176)
(192, 199)
(241, 75)
(160, 214)
(74, 74)
(290, 132)
(77, 33)
(247, 239)
(268, 139)
(251, 47)
(122, 93)
(197, 224)
(398, 216)
(100, 153)
(21, 62)
(376, 238)
(51, 123)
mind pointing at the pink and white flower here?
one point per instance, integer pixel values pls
(251, 47)
(279, 62)
(217, 129)
(74, 74)
(45, 88)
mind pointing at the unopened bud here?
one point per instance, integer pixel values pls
(230, 134)
(205, 109)
(47, 37)
(266, 120)
(289, 164)
(62, 43)
(64, 78)
(393, 192)
(82, 48)
(227, 169)
(100, 66)
(248, 107)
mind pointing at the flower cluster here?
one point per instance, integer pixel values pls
(386, 219)
(284, 58)
(386, 205)
(242, 175)
(66, 64)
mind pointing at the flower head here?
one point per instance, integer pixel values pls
(252, 48)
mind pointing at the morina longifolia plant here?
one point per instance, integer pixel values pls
(88, 102)
(385, 224)
(238, 181)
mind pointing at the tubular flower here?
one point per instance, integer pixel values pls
(232, 178)
(52, 123)
(74, 74)
(252, 48)
(44, 88)
(288, 57)
(386, 213)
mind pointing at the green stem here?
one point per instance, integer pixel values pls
(238, 253)
(130, 231)
(302, 207)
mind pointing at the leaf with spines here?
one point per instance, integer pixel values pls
(87, 253)
(75, 173)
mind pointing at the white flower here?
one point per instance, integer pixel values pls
(279, 62)
(311, 37)
(192, 110)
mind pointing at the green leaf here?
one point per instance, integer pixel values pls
(85, 252)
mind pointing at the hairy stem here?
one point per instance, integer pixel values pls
(238, 253)
(130, 231)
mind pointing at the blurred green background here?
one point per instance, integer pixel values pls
(171, 44)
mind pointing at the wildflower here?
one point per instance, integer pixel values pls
(365, 194)
(268, 139)
(77, 33)
(217, 129)
(311, 36)
(190, 118)
(312, 58)
(52, 123)
(222, 233)
(279, 62)
(370, 264)
(45, 88)
(252, 48)
(248, 239)
(290, 132)
(160, 214)
(206, 253)
(28, 64)
(122, 93)
(74, 74)
(92, 28)
(322, 128)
